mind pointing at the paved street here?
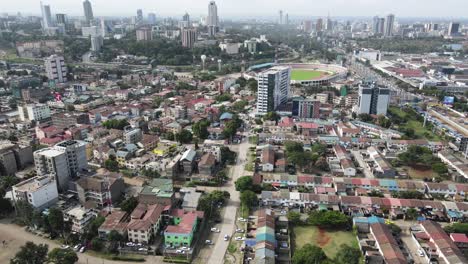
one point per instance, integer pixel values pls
(229, 218)
(365, 169)
(16, 236)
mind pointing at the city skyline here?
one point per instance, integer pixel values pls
(253, 8)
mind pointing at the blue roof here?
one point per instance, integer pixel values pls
(250, 242)
(226, 116)
(260, 66)
(454, 214)
(266, 237)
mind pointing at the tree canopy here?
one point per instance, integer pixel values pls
(31, 253)
(129, 205)
(62, 256)
(244, 183)
(200, 129)
(331, 219)
(348, 255)
(309, 254)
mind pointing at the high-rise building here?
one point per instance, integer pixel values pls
(88, 11)
(46, 16)
(280, 17)
(381, 25)
(144, 34)
(273, 88)
(186, 18)
(373, 99)
(151, 18)
(14, 157)
(212, 19)
(329, 23)
(133, 135)
(56, 68)
(375, 25)
(40, 191)
(139, 15)
(389, 24)
(106, 27)
(96, 43)
(286, 19)
(75, 152)
(319, 25)
(307, 26)
(453, 29)
(33, 112)
(61, 18)
(52, 162)
(189, 36)
(306, 108)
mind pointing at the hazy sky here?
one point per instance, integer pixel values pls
(228, 8)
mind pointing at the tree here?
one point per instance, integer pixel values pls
(249, 198)
(96, 244)
(200, 129)
(439, 168)
(294, 217)
(309, 254)
(252, 84)
(365, 117)
(319, 148)
(55, 219)
(271, 116)
(457, 228)
(396, 230)
(223, 97)
(111, 164)
(5, 206)
(129, 205)
(348, 255)
(92, 229)
(331, 219)
(62, 256)
(184, 136)
(322, 164)
(24, 212)
(241, 81)
(31, 253)
(411, 214)
(115, 124)
(114, 238)
(244, 183)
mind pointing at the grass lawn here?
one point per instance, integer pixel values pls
(419, 130)
(305, 75)
(329, 241)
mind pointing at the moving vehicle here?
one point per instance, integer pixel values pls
(226, 237)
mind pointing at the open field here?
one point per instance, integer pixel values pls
(420, 173)
(417, 126)
(329, 240)
(305, 75)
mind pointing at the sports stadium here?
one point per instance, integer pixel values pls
(314, 74)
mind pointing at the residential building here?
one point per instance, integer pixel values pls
(75, 152)
(56, 68)
(14, 157)
(184, 226)
(382, 168)
(386, 244)
(33, 112)
(139, 16)
(189, 36)
(145, 223)
(212, 21)
(67, 120)
(40, 191)
(373, 99)
(454, 28)
(306, 108)
(158, 191)
(268, 159)
(117, 220)
(133, 135)
(188, 161)
(230, 48)
(191, 197)
(79, 217)
(100, 190)
(96, 43)
(50, 161)
(251, 46)
(273, 88)
(207, 164)
(151, 18)
(144, 34)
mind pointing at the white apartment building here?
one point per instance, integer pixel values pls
(34, 112)
(56, 68)
(79, 217)
(39, 191)
(273, 88)
(75, 152)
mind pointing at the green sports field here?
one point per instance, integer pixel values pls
(305, 75)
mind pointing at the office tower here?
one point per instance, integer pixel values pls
(189, 36)
(33, 112)
(373, 99)
(96, 43)
(286, 19)
(92, 31)
(319, 25)
(381, 25)
(139, 15)
(453, 28)
(281, 17)
(52, 162)
(273, 88)
(307, 26)
(56, 68)
(151, 18)
(390, 21)
(75, 152)
(106, 27)
(88, 11)
(61, 18)
(212, 19)
(186, 18)
(143, 34)
(46, 16)
(375, 25)
(329, 23)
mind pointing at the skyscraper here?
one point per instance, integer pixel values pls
(375, 25)
(390, 21)
(151, 18)
(88, 11)
(144, 34)
(46, 16)
(56, 68)
(186, 17)
(329, 23)
(319, 25)
(381, 25)
(139, 15)
(212, 20)
(453, 28)
(273, 88)
(373, 99)
(307, 26)
(61, 18)
(281, 17)
(189, 36)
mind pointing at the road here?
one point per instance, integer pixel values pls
(357, 155)
(228, 223)
(16, 236)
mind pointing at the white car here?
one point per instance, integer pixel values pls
(82, 249)
(239, 238)
(421, 253)
(180, 251)
(130, 244)
(185, 248)
(226, 237)
(208, 242)
(240, 230)
(65, 246)
(142, 249)
(216, 230)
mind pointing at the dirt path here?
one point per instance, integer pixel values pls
(15, 237)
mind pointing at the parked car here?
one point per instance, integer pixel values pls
(82, 249)
(216, 230)
(240, 230)
(65, 246)
(208, 242)
(226, 237)
(239, 238)
(180, 251)
(77, 247)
